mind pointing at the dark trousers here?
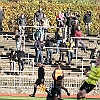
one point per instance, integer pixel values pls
(61, 58)
(21, 65)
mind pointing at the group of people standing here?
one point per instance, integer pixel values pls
(68, 26)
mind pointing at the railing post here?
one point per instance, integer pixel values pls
(82, 67)
(76, 55)
(33, 66)
(28, 54)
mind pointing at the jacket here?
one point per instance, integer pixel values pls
(38, 45)
(94, 75)
(87, 18)
(63, 45)
(78, 34)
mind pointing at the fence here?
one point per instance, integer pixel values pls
(24, 84)
(5, 64)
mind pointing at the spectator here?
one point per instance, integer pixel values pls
(1, 18)
(22, 23)
(62, 51)
(87, 19)
(45, 24)
(21, 55)
(74, 27)
(60, 19)
(70, 45)
(12, 59)
(61, 23)
(90, 82)
(40, 79)
(38, 49)
(38, 34)
(38, 16)
(76, 15)
(78, 33)
(18, 38)
(58, 38)
(49, 43)
(68, 16)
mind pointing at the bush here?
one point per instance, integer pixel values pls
(12, 11)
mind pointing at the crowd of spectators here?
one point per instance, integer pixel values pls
(68, 26)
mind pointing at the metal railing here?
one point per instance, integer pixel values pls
(26, 82)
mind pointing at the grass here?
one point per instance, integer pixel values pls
(31, 98)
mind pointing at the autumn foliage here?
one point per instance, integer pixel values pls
(12, 10)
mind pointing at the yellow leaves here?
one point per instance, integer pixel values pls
(12, 10)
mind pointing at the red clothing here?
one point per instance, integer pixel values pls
(60, 16)
(78, 34)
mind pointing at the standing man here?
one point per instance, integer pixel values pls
(78, 33)
(70, 45)
(12, 58)
(87, 20)
(22, 23)
(1, 18)
(49, 43)
(38, 16)
(38, 49)
(18, 38)
(21, 55)
(40, 79)
(90, 82)
(62, 51)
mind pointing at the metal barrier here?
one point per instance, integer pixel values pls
(9, 83)
(13, 36)
(7, 69)
(53, 49)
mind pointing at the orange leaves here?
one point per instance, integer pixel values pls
(12, 10)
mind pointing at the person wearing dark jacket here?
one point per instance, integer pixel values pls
(58, 38)
(49, 43)
(62, 51)
(74, 27)
(21, 55)
(87, 19)
(1, 18)
(70, 52)
(38, 49)
(40, 80)
(12, 59)
(22, 23)
(38, 16)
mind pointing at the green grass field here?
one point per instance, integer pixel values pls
(31, 98)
